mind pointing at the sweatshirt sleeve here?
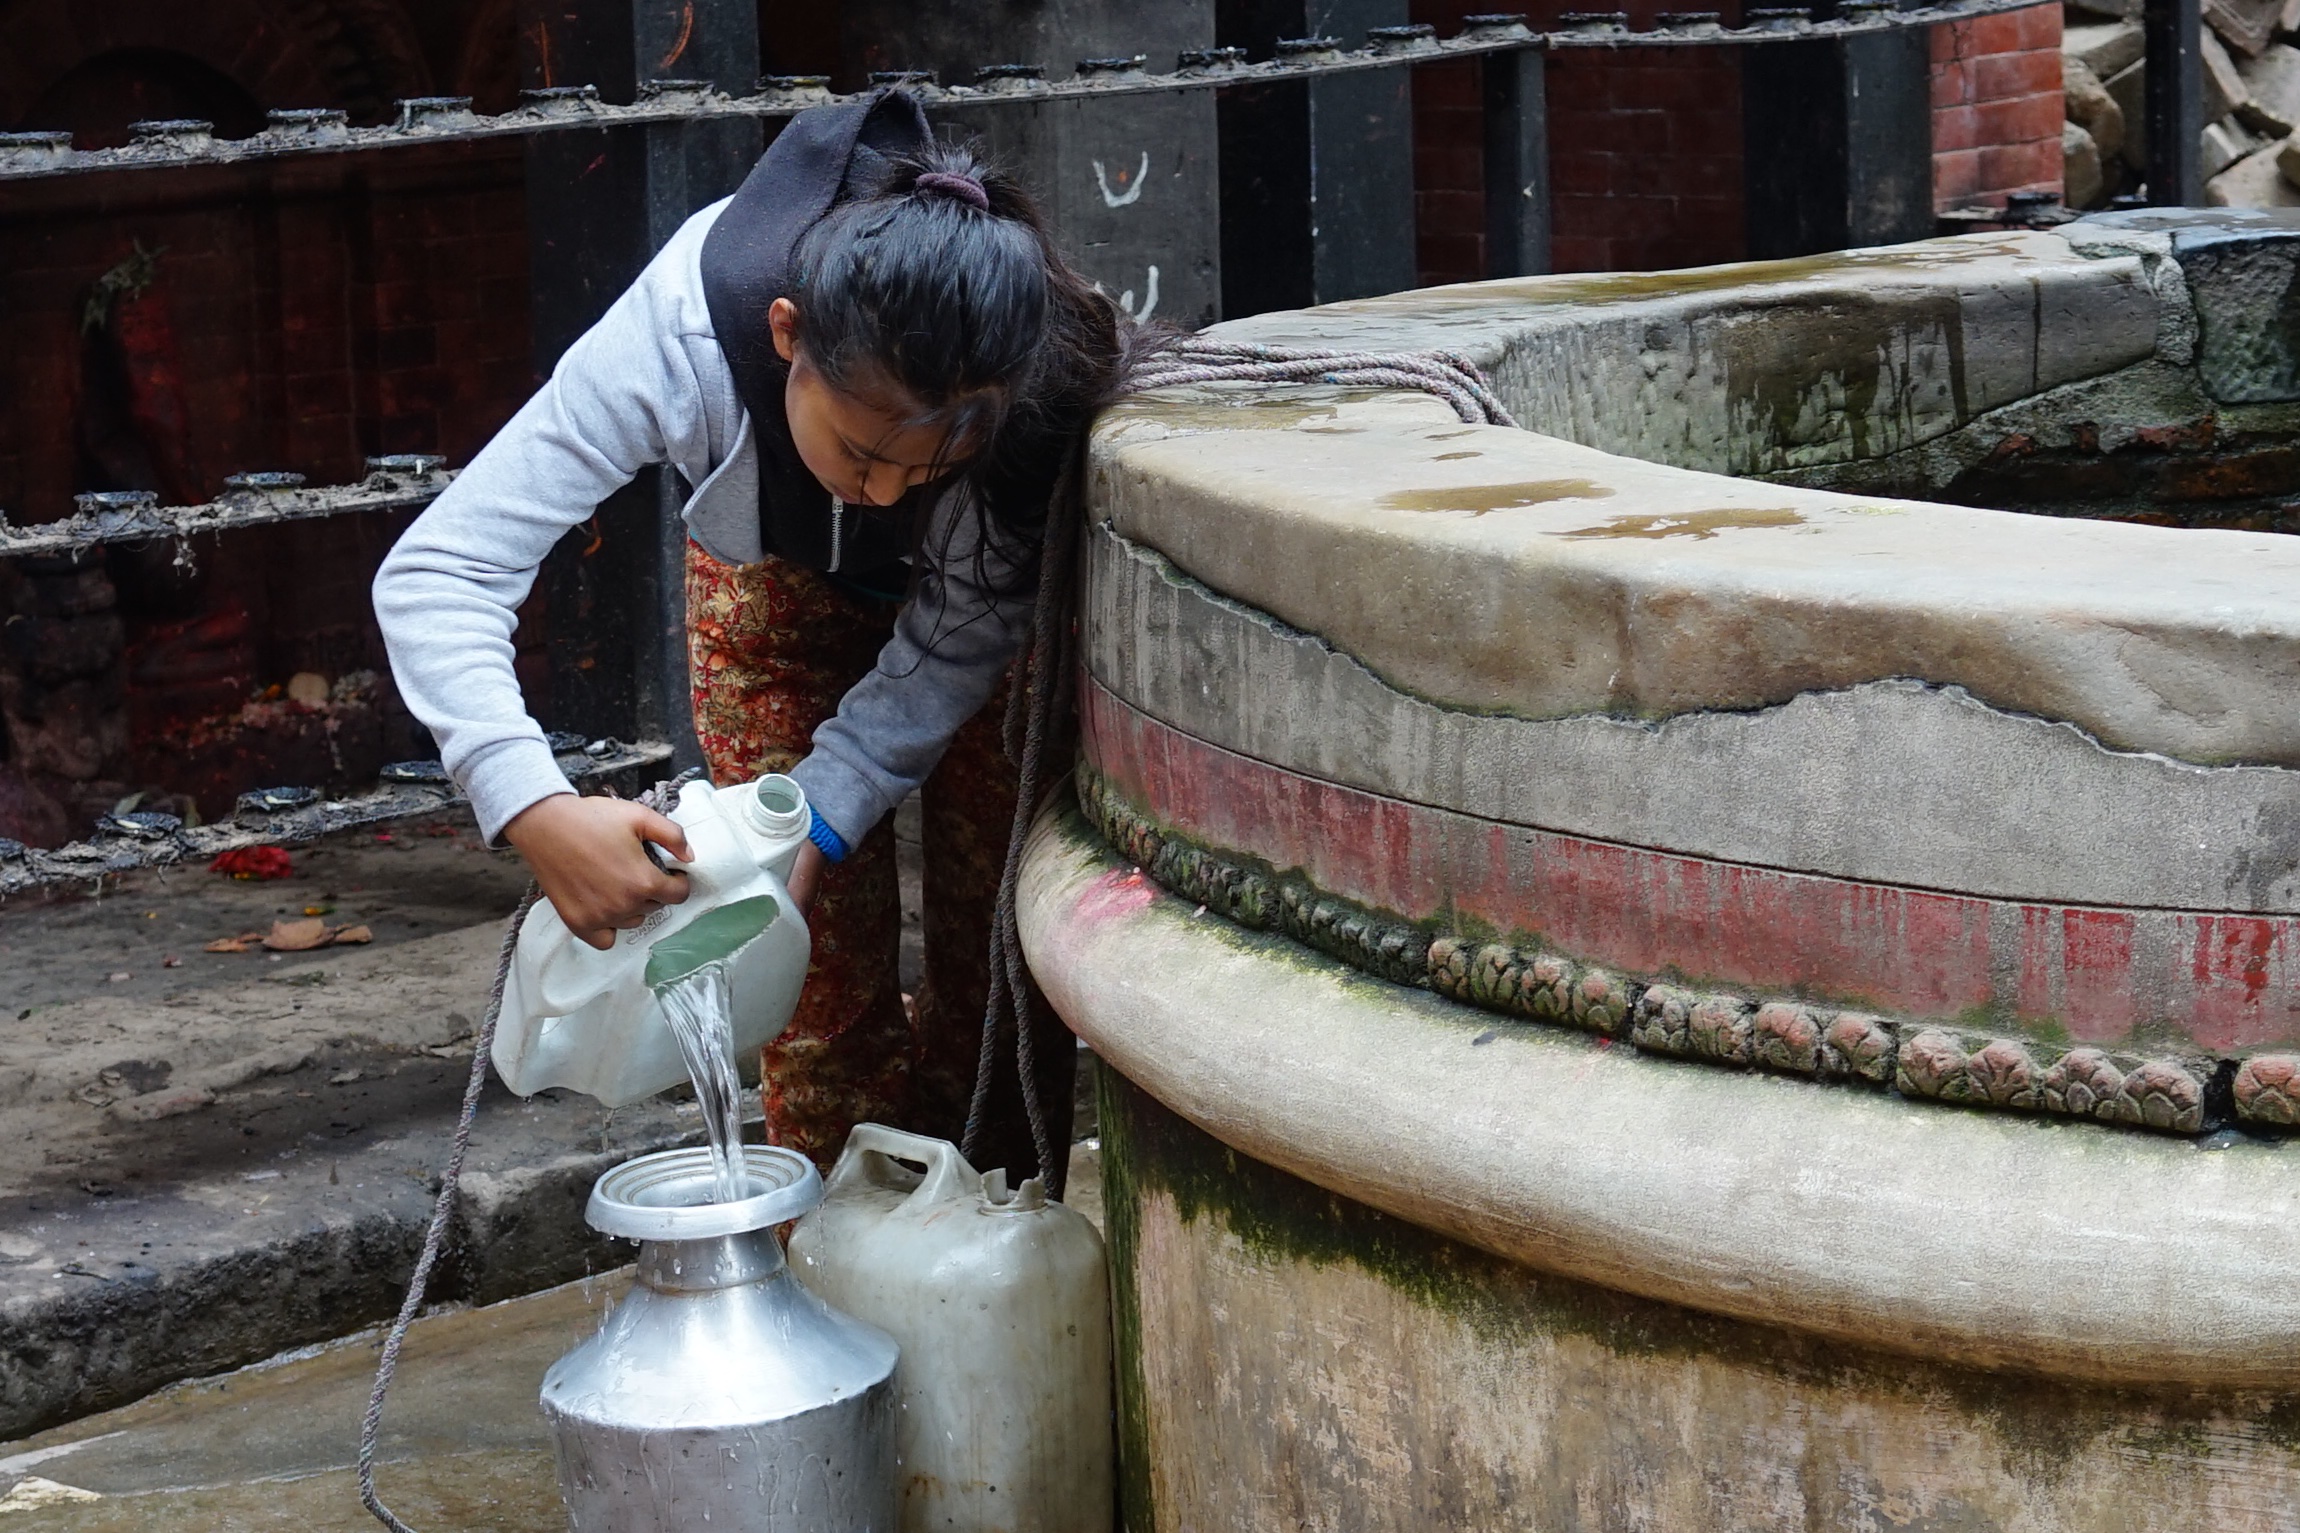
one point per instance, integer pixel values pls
(952, 642)
(624, 396)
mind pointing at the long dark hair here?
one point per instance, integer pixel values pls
(945, 311)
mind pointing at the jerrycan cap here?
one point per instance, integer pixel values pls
(666, 1195)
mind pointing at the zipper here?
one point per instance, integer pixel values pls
(838, 530)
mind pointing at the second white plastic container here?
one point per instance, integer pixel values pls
(1000, 1303)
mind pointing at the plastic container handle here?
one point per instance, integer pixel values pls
(947, 1173)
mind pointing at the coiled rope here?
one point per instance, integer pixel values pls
(1034, 706)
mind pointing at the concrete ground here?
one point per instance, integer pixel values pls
(210, 1161)
(272, 1447)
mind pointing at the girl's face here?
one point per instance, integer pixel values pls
(862, 453)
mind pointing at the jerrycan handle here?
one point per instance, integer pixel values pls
(947, 1173)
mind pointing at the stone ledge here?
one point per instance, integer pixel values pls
(1767, 366)
(1973, 1238)
(1889, 782)
(1485, 570)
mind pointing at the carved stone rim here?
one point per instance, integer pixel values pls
(1915, 1058)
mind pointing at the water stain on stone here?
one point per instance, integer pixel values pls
(1691, 524)
(1239, 411)
(1455, 457)
(1450, 436)
(1478, 499)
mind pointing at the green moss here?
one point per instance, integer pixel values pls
(2041, 1426)
(1122, 1234)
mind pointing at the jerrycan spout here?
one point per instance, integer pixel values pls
(777, 811)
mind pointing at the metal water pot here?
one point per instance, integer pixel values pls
(720, 1394)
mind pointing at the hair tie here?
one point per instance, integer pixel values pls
(959, 188)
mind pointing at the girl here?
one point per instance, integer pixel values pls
(871, 366)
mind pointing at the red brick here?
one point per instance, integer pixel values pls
(1573, 252)
(2005, 75)
(2031, 118)
(2001, 33)
(1955, 128)
(1443, 166)
(1586, 174)
(1956, 177)
(1952, 85)
(2040, 26)
(2020, 165)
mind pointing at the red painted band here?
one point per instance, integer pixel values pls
(2226, 982)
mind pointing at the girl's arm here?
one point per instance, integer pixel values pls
(952, 642)
(623, 397)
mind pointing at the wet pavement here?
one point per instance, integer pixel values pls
(272, 1448)
(114, 940)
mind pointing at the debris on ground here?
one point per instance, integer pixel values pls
(295, 937)
(254, 862)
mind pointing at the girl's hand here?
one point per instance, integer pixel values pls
(589, 856)
(806, 874)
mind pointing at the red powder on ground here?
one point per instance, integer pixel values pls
(254, 862)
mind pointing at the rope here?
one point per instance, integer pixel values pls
(1034, 706)
(371, 1425)
(443, 1210)
(1450, 376)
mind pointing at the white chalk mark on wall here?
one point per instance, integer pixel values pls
(1149, 296)
(1124, 198)
(1126, 299)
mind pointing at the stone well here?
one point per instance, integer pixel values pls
(1681, 968)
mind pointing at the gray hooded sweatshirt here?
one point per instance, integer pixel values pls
(650, 384)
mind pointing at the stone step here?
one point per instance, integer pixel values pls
(204, 1180)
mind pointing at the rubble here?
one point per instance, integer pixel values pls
(2273, 83)
(2093, 110)
(2256, 181)
(2224, 88)
(2249, 53)
(2245, 25)
(2079, 166)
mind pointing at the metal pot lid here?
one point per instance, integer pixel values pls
(666, 1195)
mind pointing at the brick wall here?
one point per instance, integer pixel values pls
(1645, 147)
(1449, 173)
(1996, 106)
(1645, 159)
(1645, 154)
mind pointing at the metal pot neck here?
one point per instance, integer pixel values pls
(720, 1261)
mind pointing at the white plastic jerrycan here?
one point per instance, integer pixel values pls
(1001, 1305)
(577, 1017)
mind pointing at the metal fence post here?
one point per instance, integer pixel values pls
(1317, 175)
(1837, 142)
(2173, 99)
(600, 203)
(1517, 217)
